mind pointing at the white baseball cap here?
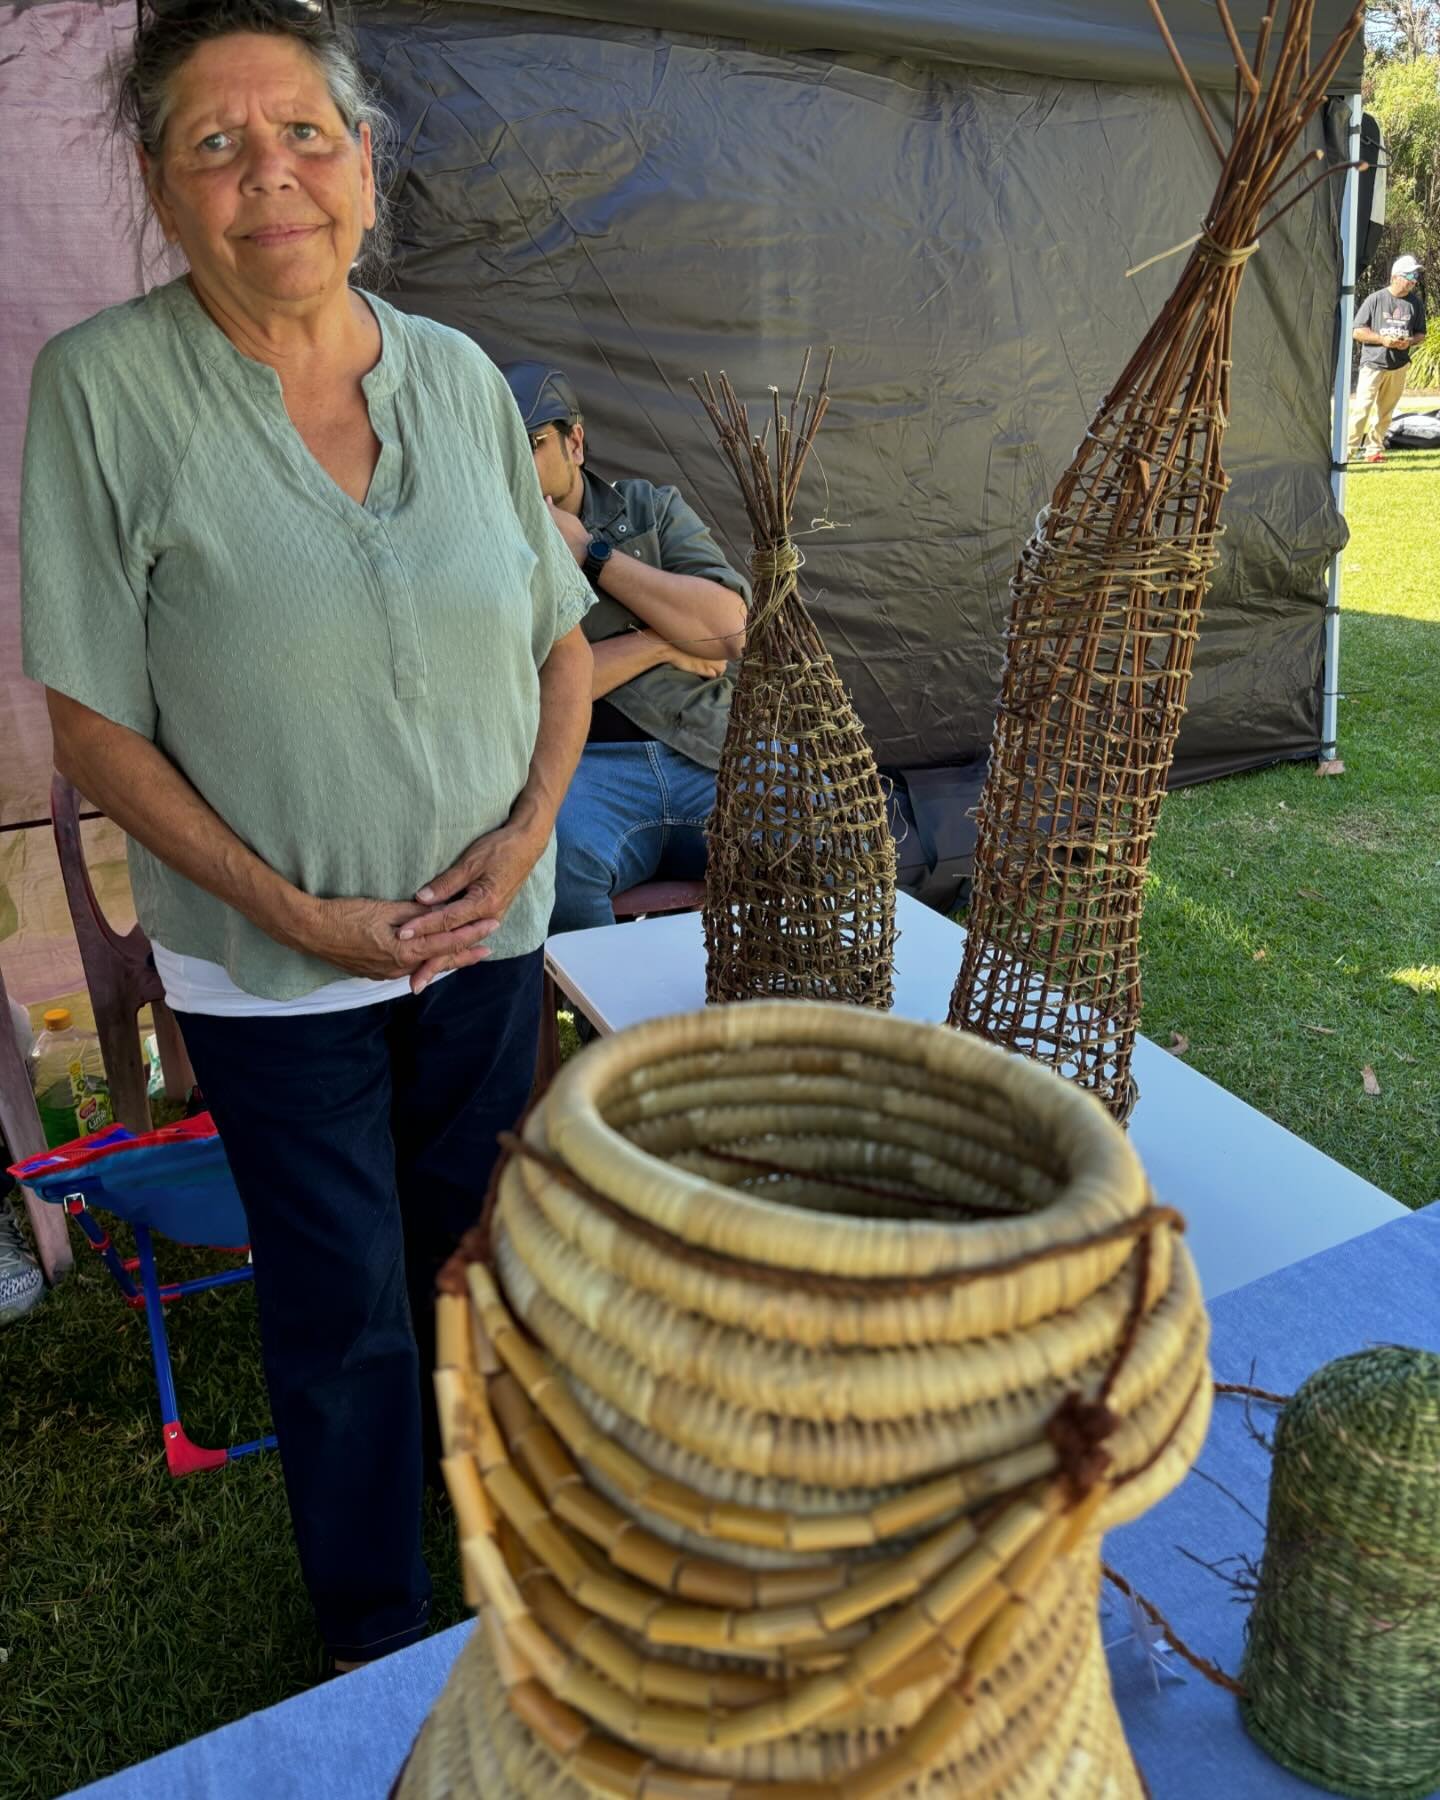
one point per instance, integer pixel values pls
(1407, 267)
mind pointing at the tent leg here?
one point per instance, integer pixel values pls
(1340, 430)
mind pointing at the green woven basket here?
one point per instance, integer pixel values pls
(1342, 1669)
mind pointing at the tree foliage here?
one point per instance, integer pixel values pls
(1402, 89)
(1404, 29)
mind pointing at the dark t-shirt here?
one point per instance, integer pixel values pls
(608, 725)
(1383, 310)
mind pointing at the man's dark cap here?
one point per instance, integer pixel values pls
(543, 393)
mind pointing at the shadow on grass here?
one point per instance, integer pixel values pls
(141, 1611)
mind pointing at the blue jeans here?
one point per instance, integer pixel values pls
(634, 812)
(361, 1143)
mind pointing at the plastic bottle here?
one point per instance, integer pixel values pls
(24, 1036)
(70, 1086)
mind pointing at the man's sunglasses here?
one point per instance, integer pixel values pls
(561, 428)
(301, 12)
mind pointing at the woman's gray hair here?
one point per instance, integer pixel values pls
(144, 88)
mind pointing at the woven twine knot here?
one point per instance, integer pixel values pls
(773, 568)
(1207, 248)
(775, 562)
(1224, 256)
(1078, 1431)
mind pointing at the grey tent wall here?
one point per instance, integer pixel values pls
(1081, 40)
(640, 205)
(951, 191)
(67, 219)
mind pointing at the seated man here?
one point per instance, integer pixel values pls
(668, 617)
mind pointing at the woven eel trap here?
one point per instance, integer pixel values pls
(1105, 613)
(801, 1361)
(800, 862)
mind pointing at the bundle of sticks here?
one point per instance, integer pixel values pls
(800, 872)
(1105, 609)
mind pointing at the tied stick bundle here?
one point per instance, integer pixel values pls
(1105, 608)
(800, 871)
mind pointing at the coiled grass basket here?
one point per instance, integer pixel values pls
(801, 1361)
(1342, 1667)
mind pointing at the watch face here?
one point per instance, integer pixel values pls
(597, 550)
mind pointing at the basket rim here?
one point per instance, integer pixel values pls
(1107, 1182)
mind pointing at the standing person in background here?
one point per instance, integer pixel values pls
(669, 616)
(1388, 326)
(310, 638)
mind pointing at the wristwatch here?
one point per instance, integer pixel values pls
(597, 553)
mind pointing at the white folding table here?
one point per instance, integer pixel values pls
(344, 1740)
(1255, 1196)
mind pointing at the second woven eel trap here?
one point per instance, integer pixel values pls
(787, 1389)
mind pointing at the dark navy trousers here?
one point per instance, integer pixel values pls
(361, 1143)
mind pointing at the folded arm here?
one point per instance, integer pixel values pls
(692, 612)
(621, 659)
(688, 611)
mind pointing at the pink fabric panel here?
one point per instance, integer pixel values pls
(70, 246)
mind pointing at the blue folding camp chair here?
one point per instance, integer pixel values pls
(174, 1181)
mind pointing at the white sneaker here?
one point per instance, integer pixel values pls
(21, 1284)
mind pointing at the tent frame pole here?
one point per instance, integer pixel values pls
(1340, 428)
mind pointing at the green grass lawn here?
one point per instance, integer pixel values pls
(1292, 927)
(136, 1612)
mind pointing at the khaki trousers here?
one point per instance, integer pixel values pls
(1377, 393)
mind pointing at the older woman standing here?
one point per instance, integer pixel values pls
(311, 640)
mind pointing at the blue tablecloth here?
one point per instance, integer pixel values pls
(346, 1739)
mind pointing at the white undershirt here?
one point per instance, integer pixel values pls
(193, 985)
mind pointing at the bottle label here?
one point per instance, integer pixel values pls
(91, 1097)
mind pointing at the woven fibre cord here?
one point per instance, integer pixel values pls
(682, 1345)
(1046, 1659)
(1175, 1417)
(726, 1487)
(1056, 1725)
(773, 1434)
